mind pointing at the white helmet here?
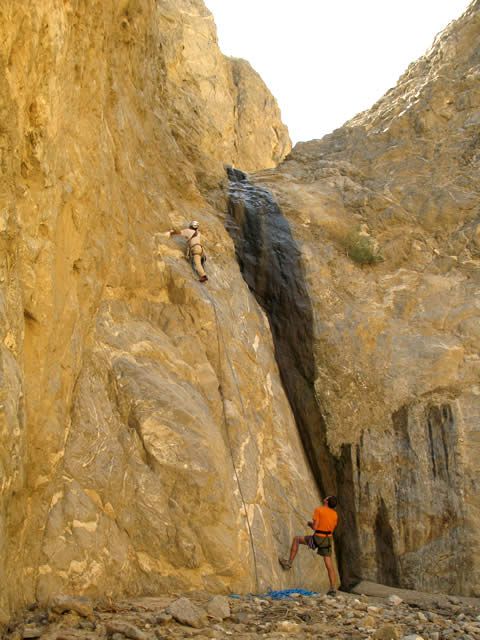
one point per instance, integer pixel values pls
(194, 224)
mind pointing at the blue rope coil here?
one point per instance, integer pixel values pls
(278, 595)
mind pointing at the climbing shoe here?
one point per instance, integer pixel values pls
(203, 278)
(331, 592)
(285, 564)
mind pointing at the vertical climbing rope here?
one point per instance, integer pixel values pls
(300, 516)
(220, 337)
(230, 447)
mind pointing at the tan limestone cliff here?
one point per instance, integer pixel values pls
(141, 414)
(147, 443)
(385, 214)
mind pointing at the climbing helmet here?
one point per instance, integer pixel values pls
(194, 224)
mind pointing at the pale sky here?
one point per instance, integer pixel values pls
(327, 60)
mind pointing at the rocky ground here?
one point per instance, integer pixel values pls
(200, 615)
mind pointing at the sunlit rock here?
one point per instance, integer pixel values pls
(384, 216)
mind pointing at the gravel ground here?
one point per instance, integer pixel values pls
(387, 616)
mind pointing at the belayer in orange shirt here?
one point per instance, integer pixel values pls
(324, 521)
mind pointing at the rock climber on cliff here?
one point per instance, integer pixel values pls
(195, 251)
(324, 521)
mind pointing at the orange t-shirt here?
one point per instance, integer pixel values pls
(324, 519)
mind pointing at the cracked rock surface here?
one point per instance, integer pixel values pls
(147, 444)
(384, 217)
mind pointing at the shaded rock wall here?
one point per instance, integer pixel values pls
(385, 212)
(128, 392)
(271, 265)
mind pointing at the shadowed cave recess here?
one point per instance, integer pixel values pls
(271, 266)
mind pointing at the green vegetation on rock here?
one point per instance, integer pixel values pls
(362, 248)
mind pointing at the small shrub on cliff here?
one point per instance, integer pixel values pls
(362, 249)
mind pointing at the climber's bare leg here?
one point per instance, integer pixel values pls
(296, 542)
(197, 263)
(332, 577)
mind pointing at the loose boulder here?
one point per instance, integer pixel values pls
(185, 612)
(219, 607)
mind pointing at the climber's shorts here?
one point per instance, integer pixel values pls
(196, 250)
(322, 545)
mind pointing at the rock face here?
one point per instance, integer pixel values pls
(253, 103)
(146, 442)
(384, 220)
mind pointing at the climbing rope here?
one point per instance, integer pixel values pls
(220, 337)
(253, 439)
(230, 447)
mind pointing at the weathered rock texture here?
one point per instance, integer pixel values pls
(380, 614)
(393, 346)
(140, 411)
(147, 443)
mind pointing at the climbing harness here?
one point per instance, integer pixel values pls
(319, 547)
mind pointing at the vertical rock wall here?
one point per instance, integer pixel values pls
(271, 264)
(385, 213)
(129, 393)
(146, 439)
